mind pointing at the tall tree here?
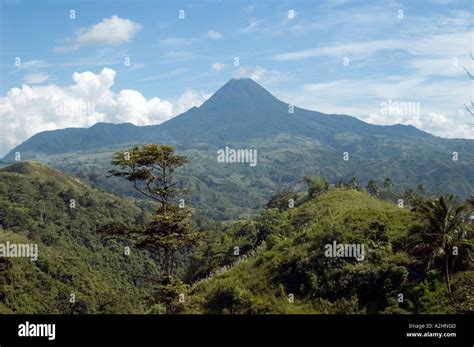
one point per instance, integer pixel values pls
(152, 170)
(446, 228)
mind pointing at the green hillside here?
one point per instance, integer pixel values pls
(273, 262)
(73, 258)
(286, 256)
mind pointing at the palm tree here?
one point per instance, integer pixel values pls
(412, 198)
(446, 228)
(408, 194)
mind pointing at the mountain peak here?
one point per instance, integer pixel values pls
(241, 82)
(238, 92)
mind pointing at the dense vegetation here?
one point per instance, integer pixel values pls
(287, 260)
(273, 262)
(35, 207)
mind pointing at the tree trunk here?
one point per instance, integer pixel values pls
(167, 273)
(448, 283)
(168, 263)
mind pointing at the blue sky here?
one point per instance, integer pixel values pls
(332, 56)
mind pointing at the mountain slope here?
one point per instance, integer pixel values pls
(72, 256)
(242, 109)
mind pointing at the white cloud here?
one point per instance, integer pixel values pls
(190, 98)
(36, 65)
(258, 73)
(440, 102)
(365, 48)
(430, 54)
(252, 26)
(133, 107)
(188, 41)
(93, 87)
(254, 73)
(35, 78)
(90, 99)
(449, 66)
(112, 31)
(32, 64)
(218, 66)
(27, 110)
(165, 75)
(214, 35)
(434, 123)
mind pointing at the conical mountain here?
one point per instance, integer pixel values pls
(243, 109)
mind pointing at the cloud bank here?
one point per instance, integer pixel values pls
(90, 99)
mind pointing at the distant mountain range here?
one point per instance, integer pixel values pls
(240, 110)
(290, 144)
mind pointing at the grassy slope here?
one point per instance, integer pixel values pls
(293, 262)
